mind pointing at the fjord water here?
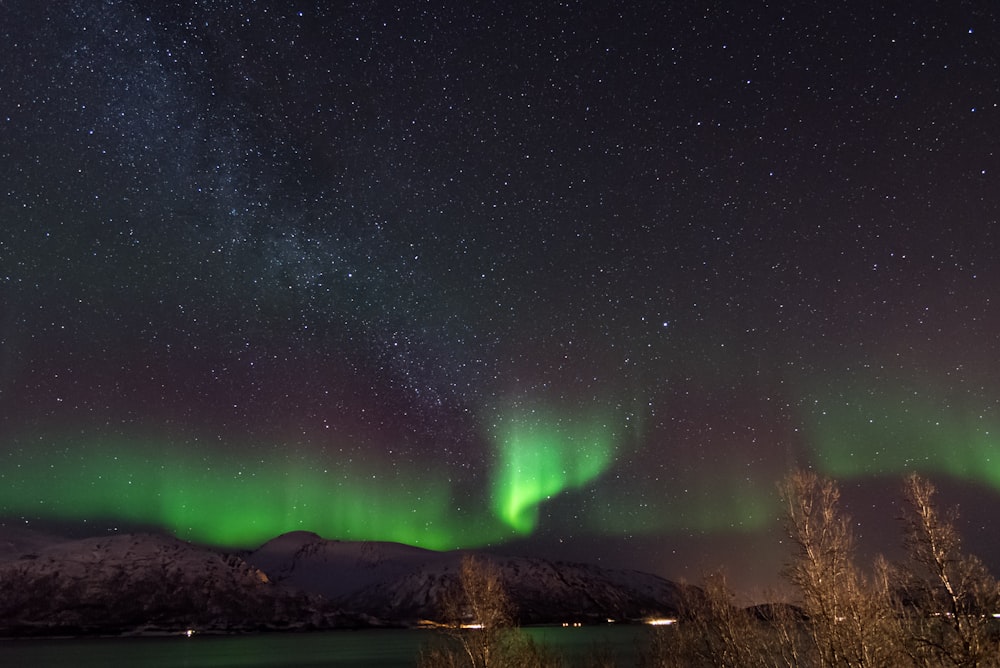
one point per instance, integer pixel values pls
(383, 648)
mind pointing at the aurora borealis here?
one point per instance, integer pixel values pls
(540, 458)
(579, 280)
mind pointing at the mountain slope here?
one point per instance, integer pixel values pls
(402, 584)
(129, 583)
(542, 591)
(148, 583)
(334, 568)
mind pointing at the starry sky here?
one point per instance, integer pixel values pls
(582, 280)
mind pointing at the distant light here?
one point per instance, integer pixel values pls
(661, 621)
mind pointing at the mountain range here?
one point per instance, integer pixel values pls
(147, 583)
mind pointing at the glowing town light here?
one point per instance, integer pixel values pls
(661, 621)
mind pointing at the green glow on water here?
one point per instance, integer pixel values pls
(541, 455)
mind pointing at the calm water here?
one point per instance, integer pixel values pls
(339, 649)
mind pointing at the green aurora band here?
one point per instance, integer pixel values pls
(884, 432)
(541, 456)
(240, 502)
(207, 494)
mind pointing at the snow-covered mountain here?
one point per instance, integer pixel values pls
(143, 583)
(334, 568)
(402, 584)
(542, 591)
(16, 541)
(147, 583)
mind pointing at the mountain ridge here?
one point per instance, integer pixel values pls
(153, 583)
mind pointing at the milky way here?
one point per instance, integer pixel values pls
(580, 281)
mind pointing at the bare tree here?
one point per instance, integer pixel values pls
(847, 613)
(478, 611)
(936, 609)
(711, 631)
(950, 595)
(479, 625)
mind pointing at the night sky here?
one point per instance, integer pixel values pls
(580, 280)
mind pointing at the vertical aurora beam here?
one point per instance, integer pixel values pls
(541, 455)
